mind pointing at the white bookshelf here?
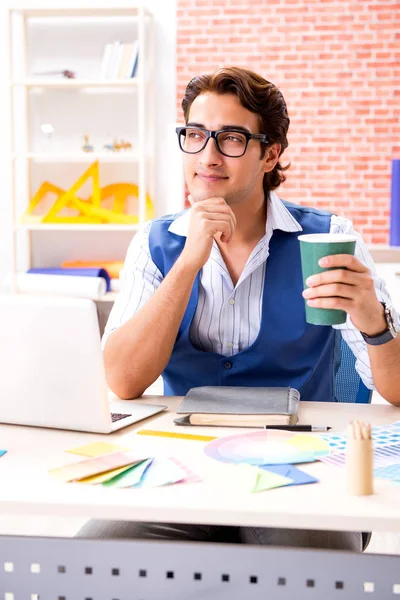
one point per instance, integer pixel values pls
(73, 38)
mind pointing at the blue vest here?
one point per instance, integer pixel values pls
(287, 352)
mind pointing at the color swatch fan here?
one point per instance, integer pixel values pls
(268, 448)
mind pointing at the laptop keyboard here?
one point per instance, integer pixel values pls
(118, 416)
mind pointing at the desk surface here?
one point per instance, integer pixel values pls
(27, 488)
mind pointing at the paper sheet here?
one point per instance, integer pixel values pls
(249, 478)
(97, 449)
(389, 472)
(131, 477)
(103, 477)
(79, 287)
(386, 447)
(162, 471)
(190, 476)
(384, 435)
(297, 476)
(92, 466)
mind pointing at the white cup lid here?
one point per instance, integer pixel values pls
(326, 238)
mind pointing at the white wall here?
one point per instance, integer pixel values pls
(169, 180)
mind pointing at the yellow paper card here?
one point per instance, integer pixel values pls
(266, 480)
(97, 449)
(92, 466)
(108, 474)
(309, 443)
(250, 478)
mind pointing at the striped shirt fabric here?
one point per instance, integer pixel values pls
(227, 319)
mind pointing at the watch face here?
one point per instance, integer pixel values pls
(394, 324)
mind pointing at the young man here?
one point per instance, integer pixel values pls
(214, 296)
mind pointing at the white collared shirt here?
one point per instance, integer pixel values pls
(227, 319)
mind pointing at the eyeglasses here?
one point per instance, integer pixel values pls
(229, 142)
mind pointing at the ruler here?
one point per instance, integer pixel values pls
(179, 436)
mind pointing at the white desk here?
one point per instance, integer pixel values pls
(27, 488)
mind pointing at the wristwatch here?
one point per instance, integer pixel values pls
(393, 328)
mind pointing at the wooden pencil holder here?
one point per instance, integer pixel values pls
(359, 460)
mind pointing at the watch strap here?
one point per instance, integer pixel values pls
(378, 340)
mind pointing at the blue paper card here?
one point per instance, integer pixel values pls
(388, 472)
(298, 477)
(2, 452)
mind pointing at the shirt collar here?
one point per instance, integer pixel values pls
(279, 217)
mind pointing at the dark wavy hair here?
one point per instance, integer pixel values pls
(257, 95)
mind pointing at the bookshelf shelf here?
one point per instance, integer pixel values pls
(78, 83)
(108, 297)
(75, 227)
(82, 157)
(95, 12)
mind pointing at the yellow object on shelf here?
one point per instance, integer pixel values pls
(89, 210)
(113, 267)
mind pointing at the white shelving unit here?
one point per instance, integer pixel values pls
(61, 38)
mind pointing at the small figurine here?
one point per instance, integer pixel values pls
(117, 146)
(68, 74)
(87, 147)
(125, 145)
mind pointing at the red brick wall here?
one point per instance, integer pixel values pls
(337, 63)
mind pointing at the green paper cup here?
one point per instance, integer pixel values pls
(313, 247)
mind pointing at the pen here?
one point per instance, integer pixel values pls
(315, 428)
(220, 420)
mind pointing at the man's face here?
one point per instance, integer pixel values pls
(209, 173)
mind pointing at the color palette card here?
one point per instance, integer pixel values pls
(103, 477)
(249, 479)
(385, 441)
(162, 471)
(130, 477)
(154, 472)
(383, 456)
(190, 476)
(268, 447)
(97, 449)
(92, 466)
(384, 435)
(389, 472)
(296, 476)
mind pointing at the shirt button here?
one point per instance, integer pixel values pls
(232, 301)
(228, 365)
(230, 345)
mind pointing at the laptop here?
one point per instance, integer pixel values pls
(52, 371)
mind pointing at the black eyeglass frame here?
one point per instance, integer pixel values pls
(261, 137)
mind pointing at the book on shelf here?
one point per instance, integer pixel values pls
(119, 60)
(106, 60)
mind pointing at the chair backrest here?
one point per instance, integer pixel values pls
(105, 569)
(349, 386)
